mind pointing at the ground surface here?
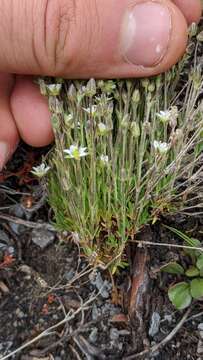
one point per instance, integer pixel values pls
(43, 283)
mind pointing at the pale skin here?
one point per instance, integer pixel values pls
(80, 39)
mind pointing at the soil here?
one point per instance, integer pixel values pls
(46, 286)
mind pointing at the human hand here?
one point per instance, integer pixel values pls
(79, 39)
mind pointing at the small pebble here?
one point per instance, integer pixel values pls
(102, 285)
(20, 314)
(95, 312)
(69, 274)
(154, 324)
(93, 335)
(114, 334)
(42, 237)
(168, 318)
(200, 327)
(200, 347)
(124, 332)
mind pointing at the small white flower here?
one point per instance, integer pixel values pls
(104, 159)
(54, 89)
(164, 116)
(40, 170)
(76, 152)
(91, 110)
(161, 147)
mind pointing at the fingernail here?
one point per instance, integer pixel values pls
(146, 33)
(4, 153)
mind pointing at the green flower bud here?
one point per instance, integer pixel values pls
(91, 88)
(125, 122)
(135, 129)
(72, 93)
(136, 96)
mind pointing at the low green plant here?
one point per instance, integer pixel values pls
(126, 151)
(182, 293)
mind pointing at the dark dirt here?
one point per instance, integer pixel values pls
(40, 286)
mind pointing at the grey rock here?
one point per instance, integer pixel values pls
(102, 285)
(168, 318)
(11, 250)
(154, 324)
(42, 237)
(93, 335)
(200, 327)
(20, 314)
(96, 312)
(69, 274)
(124, 332)
(200, 347)
(201, 334)
(109, 309)
(114, 334)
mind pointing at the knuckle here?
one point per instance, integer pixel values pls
(58, 17)
(71, 28)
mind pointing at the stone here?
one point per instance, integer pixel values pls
(42, 237)
(154, 324)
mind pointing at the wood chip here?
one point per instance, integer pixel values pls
(4, 288)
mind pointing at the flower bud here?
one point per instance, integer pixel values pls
(72, 93)
(136, 96)
(91, 88)
(125, 121)
(135, 129)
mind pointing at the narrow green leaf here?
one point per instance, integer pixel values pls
(189, 241)
(173, 268)
(192, 271)
(180, 296)
(196, 286)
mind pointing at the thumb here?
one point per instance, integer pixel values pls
(91, 38)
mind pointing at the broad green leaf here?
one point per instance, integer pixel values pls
(196, 288)
(179, 295)
(192, 271)
(173, 268)
(201, 272)
(199, 262)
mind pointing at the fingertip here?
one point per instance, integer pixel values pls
(161, 35)
(31, 113)
(9, 136)
(191, 9)
(142, 38)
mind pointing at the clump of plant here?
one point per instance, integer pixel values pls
(190, 287)
(126, 151)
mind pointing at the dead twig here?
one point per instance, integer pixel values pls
(195, 316)
(151, 243)
(70, 316)
(87, 349)
(26, 223)
(74, 351)
(163, 343)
